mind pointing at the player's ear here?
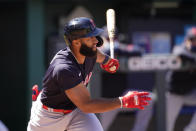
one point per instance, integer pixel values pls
(76, 42)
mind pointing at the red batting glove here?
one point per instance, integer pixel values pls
(135, 99)
(111, 66)
(35, 92)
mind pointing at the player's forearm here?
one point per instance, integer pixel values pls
(100, 57)
(101, 105)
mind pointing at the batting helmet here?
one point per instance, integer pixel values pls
(81, 27)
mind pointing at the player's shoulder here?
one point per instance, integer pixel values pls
(64, 62)
(66, 68)
(62, 56)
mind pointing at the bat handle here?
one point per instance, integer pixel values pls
(111, 48)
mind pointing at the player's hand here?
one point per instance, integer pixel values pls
(111, 66)
(135, 99)
(35, 92)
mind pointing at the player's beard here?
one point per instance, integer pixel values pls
(87, 51)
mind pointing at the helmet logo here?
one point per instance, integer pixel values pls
(194, 31)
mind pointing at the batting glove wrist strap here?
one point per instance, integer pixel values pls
(121, 103)
(106, 59)
(111, 66)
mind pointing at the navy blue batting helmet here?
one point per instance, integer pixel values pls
(81, 27)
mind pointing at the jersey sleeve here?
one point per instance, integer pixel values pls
(68, 78)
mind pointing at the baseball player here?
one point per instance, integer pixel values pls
(64, 102)
(182, 88)
(182, 84)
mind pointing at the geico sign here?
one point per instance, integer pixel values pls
(154, 62)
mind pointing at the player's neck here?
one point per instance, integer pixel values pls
(78, 56)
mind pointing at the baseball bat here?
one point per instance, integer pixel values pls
(110, 18)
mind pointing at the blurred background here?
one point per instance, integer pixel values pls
(32, 32)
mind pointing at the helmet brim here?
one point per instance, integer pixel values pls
(96, 32)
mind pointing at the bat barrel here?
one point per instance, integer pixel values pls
(110, 17)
